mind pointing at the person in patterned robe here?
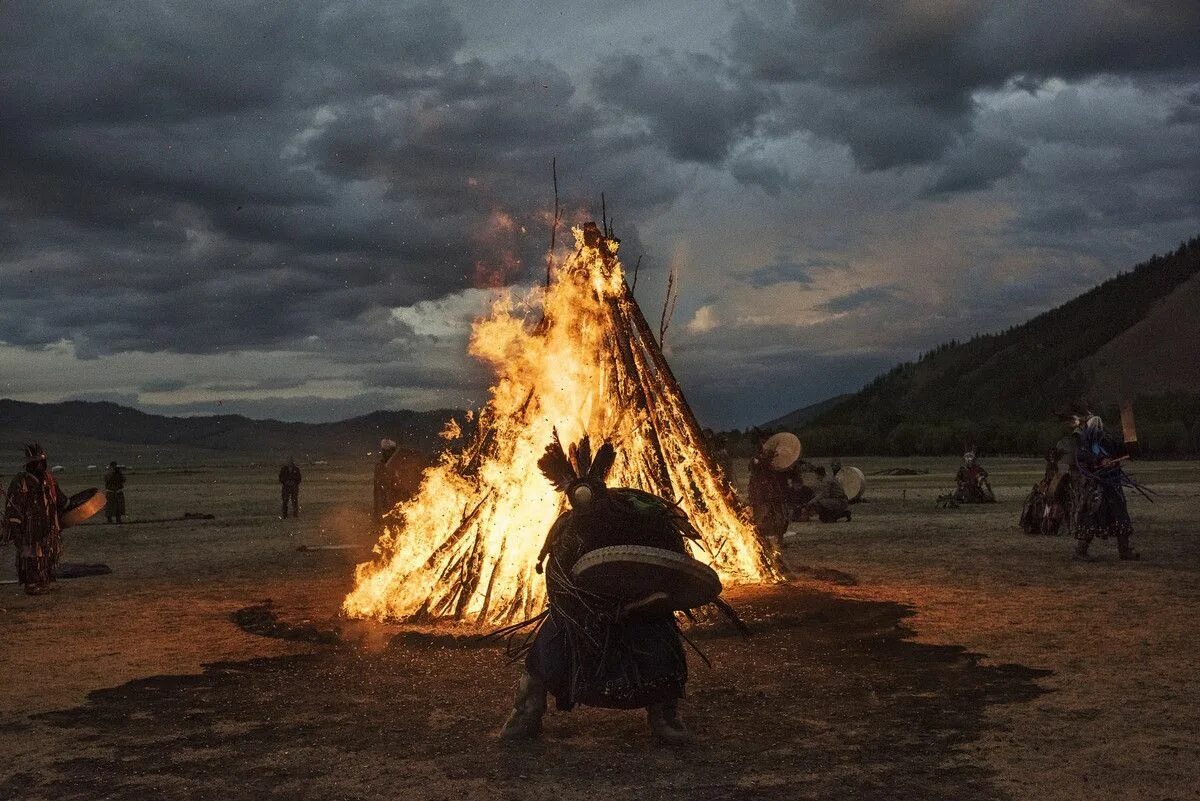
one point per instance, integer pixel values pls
(1098, 482)
(32, 510)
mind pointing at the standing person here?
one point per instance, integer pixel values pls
(398, 476)
(114, 493)
(289, 480)
(1098, 505)
(383, 495)
(31, 521)
(769, 497)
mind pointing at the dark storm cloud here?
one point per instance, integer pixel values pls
(978, 165)
(859, 298)
(142, 61)
(314, 188)
(895, 81)
(783, 271)
(691, 101)
(211, 177)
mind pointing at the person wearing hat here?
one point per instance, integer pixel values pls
(32, 510)
(114, 493)
(1098, 504)
(972, 481)
(769, 493)
(589, 650)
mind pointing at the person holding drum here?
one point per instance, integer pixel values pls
(32, 521)
(770, 489)
(616, 571)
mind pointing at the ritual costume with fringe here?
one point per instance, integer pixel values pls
(972, 482)
(32, 522)
(1098, 504)
(591, 649)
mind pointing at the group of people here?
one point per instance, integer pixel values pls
(779, 496)
(1084, 487)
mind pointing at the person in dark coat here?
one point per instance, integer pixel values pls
(592, 650)
(114, 493)
(398, 475)
(1098, 505)
(32, 510)
(289, 482)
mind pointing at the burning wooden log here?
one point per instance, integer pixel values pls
(466, 545)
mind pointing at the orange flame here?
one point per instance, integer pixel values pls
(465, 546)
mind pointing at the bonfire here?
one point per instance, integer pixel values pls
(576, 358)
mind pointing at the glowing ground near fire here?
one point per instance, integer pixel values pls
(576, 358)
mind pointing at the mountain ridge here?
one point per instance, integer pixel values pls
(1133, 337)
(122, 428)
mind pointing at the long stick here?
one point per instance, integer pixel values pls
(668, 309)
(554, 227)
(668, 378)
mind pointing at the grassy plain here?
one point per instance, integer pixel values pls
(918, 653)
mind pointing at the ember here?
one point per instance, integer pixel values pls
(465, 547)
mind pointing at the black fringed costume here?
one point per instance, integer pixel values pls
(586, 650)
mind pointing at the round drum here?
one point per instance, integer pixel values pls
(787, 448)
(853, 482)
(633, 572)
(81, 506)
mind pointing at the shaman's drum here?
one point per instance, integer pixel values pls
(853, 482)
(786, 447)
(81, 506)
(631, 573)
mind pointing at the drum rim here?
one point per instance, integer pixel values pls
(700, 572)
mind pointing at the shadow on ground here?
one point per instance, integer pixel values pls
(830, 699)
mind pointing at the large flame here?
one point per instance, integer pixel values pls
(466, 545)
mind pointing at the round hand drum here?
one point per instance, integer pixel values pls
(853, 482)
(786, 448)
(632, 572)
(81, 506)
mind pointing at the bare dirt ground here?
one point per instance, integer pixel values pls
(919, 653)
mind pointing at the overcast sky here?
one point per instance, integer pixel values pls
(295, 209)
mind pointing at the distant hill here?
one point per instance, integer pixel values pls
(89, 431)
(1134, 336)
(801, 416)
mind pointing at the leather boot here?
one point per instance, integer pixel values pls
(525, 722)
(665, 723)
